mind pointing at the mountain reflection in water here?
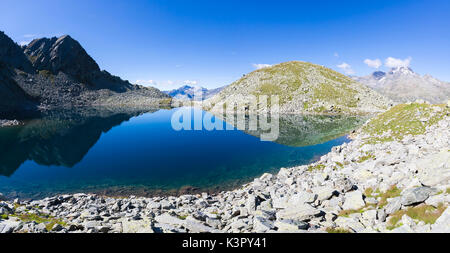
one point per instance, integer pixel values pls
(137, 152)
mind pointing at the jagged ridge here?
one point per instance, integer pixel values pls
(58, 72)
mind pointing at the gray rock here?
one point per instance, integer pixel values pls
(215, 223)
(437, 199)
(57, 228)
(261, 224)
(168, 219)
(323, 192)
(343, 185)
(381, 215)
(415, 195)
(290, 225)
(251, 202)
(9, 227)
(133, 226)
(40, 228)
(353, 201)
(301, 198)
(442, 224)
(349, 223)
(434, 169)
(166, 205)
(300, 213)
(197, 227)
(393, 206)
(403, 229)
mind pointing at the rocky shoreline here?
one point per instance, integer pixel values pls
(388, 179)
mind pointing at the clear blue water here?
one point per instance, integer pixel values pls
(121, 153)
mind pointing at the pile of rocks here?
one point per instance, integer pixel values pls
(397, 186)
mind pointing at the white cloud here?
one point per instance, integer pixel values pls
(260, 65)
(392, 62)
(146, 82)
(30, 36)
(189, 82)
(373, 63)
(346, 68)
(24, 43)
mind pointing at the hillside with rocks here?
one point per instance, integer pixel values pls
(303, 88)
(58, 72)
(403, 85)
(394, 176)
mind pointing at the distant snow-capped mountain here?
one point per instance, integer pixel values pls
(404, 85)
(193, 93)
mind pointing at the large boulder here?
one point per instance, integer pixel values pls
(415, 195)
(353, 200)
(302, 212)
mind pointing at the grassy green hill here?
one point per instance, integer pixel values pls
(304, 87)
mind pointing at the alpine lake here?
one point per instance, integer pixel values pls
(138, 152)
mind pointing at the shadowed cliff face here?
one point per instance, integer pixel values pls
(59, 138)
(12, 97)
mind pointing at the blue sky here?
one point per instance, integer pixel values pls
(212, 43)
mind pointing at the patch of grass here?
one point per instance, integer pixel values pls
(337, 95)
(426, 213)
(447, 190)
(392, 192)
(402, 120)
(182, 217)
(368, 192)
(316, 167)
(47, 74)
(365, 158)
(346, 213)
(338, 230)
(47, 220)
(340, 164)
(4, 216)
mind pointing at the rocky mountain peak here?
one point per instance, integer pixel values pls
(402, 71)
(402, 84)
(378, 74)
(12, 55)
(62, 54)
